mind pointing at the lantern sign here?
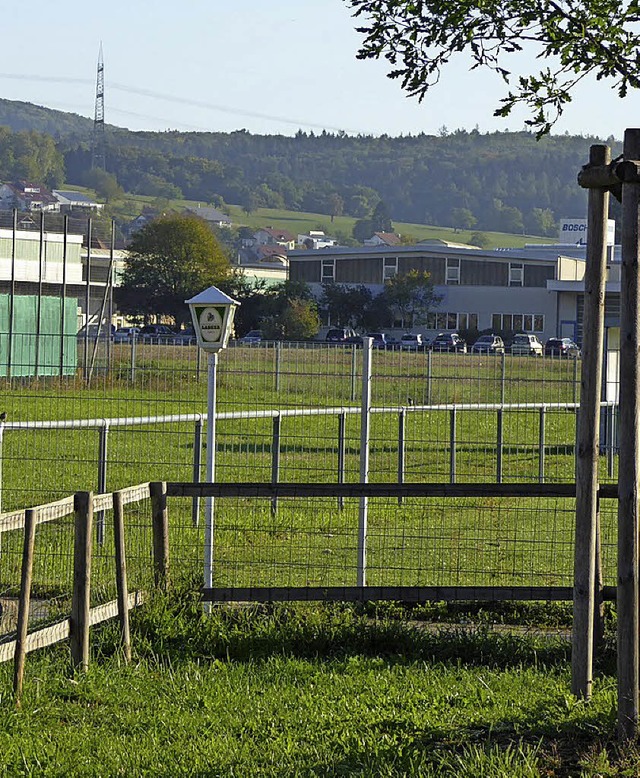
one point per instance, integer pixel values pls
(212, 313)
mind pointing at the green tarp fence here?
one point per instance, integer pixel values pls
(38, 350)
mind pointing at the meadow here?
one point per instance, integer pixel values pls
(500, 433)
(311, 690)
(316, 691)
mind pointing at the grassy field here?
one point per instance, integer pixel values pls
(310, 690)
(300, 222)
(315, 691)
(313, 541)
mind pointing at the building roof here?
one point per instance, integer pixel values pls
(390, 238)
(210, 214)
(271, 251)
(31, 192)
(276, 234)
(68, 197)
(551, 253)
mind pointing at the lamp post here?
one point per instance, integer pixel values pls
(212, 313)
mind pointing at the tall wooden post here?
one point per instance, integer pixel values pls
(25, 600)
(160, 520)
(628, 471)
(80, 603)
(589, 435)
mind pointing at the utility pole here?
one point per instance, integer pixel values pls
(98, 151)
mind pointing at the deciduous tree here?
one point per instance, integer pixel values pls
(574, 38)
(411, 297)
(169, 260)
(463, 219)
(346, 305)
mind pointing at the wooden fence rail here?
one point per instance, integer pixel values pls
(76, 627)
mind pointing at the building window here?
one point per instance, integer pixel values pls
(516, 274)
(517, 322)
(390, 268)
(328, 271)
(452, 321)
(452, 271)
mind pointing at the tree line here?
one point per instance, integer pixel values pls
(506, 182)
(502, 181)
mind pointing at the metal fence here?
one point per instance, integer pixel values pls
(292, 413)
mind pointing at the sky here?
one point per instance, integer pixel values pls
(267, 66)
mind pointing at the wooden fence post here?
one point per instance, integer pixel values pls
(588, 435)
(80, 604)
(25, 600)
(160, 519)
(121, 573)
(628, 459)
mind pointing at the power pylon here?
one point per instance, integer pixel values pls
(98, 145)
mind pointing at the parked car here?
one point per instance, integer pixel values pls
(488, 344)
(379, 339)
(339, 334)
(126, 334)
(450, 342)
(524, 344)
(393, 344)
(93, 332)
(157, 333)
(561, 347)
(253, 336)
(186, 337)
(412, 342)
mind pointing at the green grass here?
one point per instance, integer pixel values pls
(311, 691)
(300, 222)
(309, 542)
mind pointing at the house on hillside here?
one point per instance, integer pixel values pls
(270, 236)
(75, 202)
(212, 216)
(383, 239)
(24, 196)
(267, 265)
(260, 255)
(141, 220)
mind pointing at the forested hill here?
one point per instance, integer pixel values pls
(500, 181)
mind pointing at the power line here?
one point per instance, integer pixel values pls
(180, 101)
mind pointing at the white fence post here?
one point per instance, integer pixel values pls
(365, 422)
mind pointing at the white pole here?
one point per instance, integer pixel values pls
(365, 421)
(210, 469)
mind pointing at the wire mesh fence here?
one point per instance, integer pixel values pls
(288, 412)
(466, 540)
(294, 413)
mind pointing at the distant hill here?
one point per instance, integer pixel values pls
(504, 182)
(26, 116)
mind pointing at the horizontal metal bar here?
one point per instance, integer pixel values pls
(397, 593)
(245, 489)
(136, 421)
